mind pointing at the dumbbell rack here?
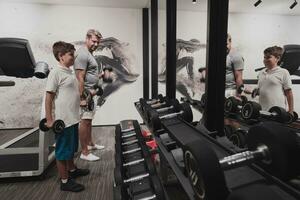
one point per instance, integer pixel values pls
(182, 133)
(246, 124)
(135, 173)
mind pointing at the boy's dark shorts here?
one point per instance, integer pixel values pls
(67, 143)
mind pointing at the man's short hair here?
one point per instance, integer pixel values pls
(274, 50)
(61, 48)
(94, 32)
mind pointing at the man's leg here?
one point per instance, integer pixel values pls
(83, 132)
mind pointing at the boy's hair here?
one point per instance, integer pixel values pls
(274, 51)
(61, 48)
(94, 32)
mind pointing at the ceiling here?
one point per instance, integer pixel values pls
(245, 6)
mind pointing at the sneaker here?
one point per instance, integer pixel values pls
(89, 157)
(71, 186)
(79, 172)
(96, 147)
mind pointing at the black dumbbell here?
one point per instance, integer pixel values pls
(133, 169)
(254, 93)
(234, 105)
(253, 110)
(274, 147)
(185, 113)
(57, 127)
(199, 105)
(99, 90)
(144, 189)
(238, 137)
(90, 104)
(172, 106)
(163, 101)
(160, 98)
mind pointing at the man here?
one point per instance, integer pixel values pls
(87, 73)
(234, 70)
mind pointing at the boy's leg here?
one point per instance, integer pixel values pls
(75, 172)
(62, 169)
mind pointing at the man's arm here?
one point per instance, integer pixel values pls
(80, 75)
(290, 99)
(238, 77)
(48, 108)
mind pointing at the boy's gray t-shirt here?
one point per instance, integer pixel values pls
(235, 61)
(85, 60)
(63, 82)
(272, 84)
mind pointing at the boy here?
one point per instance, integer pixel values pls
(62, 91)
(274, 82)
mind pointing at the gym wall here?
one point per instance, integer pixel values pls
(43, 25)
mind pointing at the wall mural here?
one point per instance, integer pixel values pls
(111, 53)
(187, 81)
(115, 54)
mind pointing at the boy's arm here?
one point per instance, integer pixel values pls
(290, 99)
(48, 108)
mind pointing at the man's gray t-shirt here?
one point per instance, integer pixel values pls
(234, 61)
(84, 60)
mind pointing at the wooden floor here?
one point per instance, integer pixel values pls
(98, 184)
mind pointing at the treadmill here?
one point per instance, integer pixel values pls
(32, 151)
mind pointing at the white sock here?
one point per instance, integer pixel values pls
(72, 170)
(64, 180)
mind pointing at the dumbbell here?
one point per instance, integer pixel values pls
(234, 105)
(185, 113)
(132, 147)
(165, 102)
(57, 127)
(89, 98)
(99, 90)
(253, 110)
(90, 104)
(173, 105)
(238, 137)
(254, 93)
(274, 147)
(160, 98)
(143, 189)
(199, 105)
(133, 169)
